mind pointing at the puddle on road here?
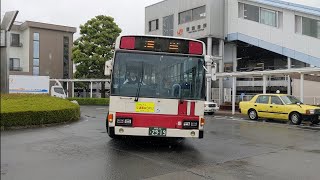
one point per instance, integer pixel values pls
(4, 169)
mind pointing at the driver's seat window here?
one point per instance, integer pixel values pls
(58, 90)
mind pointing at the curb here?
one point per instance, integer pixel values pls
(12, 128)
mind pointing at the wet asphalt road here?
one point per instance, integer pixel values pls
(232, 149)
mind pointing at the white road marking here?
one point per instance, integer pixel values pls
(100, 108)
(236, 119)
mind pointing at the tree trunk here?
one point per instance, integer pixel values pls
(103, 89)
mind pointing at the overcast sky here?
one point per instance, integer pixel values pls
(128, 14)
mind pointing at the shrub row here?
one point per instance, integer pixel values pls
(91, 101)
(19, 110)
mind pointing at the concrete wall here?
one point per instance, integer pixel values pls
(19, 52)
(310, 94)
(283, 36)
(51, 52)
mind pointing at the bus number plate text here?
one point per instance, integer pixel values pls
(157, 131)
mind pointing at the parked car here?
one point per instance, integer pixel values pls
(210, 107)
(279, 106)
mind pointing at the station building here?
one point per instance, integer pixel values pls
(249, 35)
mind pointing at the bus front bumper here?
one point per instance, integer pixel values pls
(140, 131)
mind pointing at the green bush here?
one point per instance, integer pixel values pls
(34, 110)
(91, 101)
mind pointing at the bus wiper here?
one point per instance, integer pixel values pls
(181, 98)
(136, 99)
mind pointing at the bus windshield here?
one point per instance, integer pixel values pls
(159, 76)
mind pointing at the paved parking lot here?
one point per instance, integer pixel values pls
(233, 148)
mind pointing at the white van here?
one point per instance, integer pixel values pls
(57, 90)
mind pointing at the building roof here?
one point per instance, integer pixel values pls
(155, 3)
(33, 24)
(305, 6)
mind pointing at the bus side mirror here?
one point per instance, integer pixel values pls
(108, 68)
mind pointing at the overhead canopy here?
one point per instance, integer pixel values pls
(271, 72)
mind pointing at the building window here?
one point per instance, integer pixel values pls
(36, 54)
(268, 17)
(193, 28)
(310, 27)
(298, 24)
(15, 40)
(240, 10)
(192, 15)
(65, 57)
(188, 29)
(154, 25)
(198, 13)
(185, 17)
(36, 62)
(14, 64)
(199, 26)
(260, 15)
(36, 71)
(251, 12)
(168, 25)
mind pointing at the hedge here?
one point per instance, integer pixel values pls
(18, 110)
(91, 101)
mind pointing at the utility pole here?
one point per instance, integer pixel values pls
(211, 70)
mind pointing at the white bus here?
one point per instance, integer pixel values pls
(157, 87)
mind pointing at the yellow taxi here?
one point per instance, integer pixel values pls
(279, 106)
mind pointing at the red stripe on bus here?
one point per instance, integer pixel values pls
(192, 108)
(182, 107)
(156, 120)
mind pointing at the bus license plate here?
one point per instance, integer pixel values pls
(157, 131)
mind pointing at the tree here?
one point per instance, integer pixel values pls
(94, 47)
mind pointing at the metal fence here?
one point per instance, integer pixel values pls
(312, 100)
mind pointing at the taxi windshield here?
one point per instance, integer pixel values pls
(290, 100)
